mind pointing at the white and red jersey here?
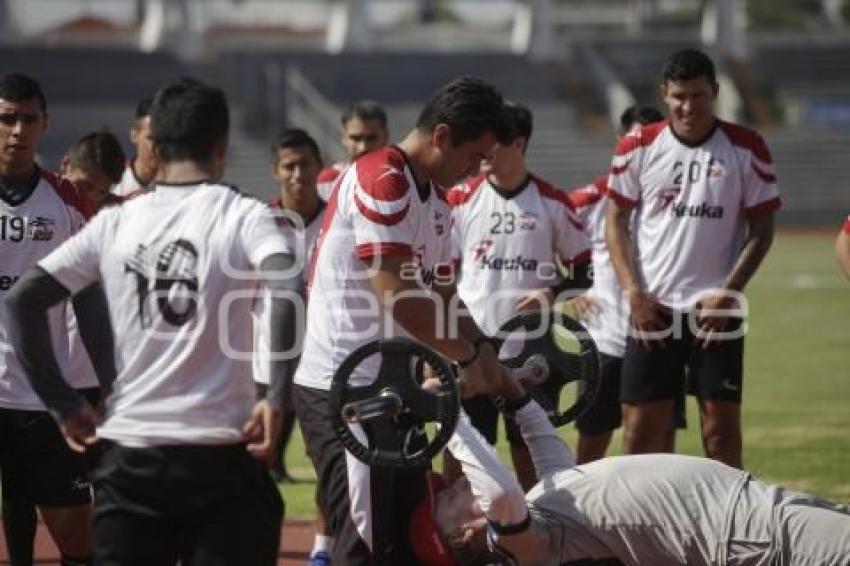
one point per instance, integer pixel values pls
(304, 234)
(377, 210)
(608, 324)
(328, 177)
(847, 224)
(691, 204)
(129, 185)
(54, 212)
(178, 266)
(506, 243)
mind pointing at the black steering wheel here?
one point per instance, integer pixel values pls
(570, 352)
(396, 396)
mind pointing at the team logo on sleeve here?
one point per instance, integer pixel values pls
(41, 228)
(168, 285)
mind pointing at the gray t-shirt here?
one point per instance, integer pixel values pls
(645, 509)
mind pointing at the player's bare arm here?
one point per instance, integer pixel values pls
(716, 308)
(426, 316)
(647, 314)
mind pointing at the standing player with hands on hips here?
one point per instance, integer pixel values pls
(180, 476)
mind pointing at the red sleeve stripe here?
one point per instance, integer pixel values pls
(764, 207)
(368, 251)
(620, 169)
(764, 175)
(747, 139)
(381, 174)
(379, 218)
(328, 175)
(462, 193)
(550, 192)
(69, 194)
(641, 137)
(589, 194)
(847, 225)
(621, 200)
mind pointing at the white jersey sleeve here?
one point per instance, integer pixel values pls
(571, 241)
(760, 193)
(382, 198)
(76, 263)
(260, 237)
(624, 181)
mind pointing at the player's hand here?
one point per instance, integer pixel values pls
(261, 431)
(713, 316)
(582, 307)
(650, 319)
(542, 299)
(79, 429)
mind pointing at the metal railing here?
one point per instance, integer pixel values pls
(292, 99)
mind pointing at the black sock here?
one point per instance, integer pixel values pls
(19, 524)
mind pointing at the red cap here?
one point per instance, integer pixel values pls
(425, 537)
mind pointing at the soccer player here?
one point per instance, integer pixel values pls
(604, 313)
(842, 248)
(509, 226)
(364, 128)
(382, 266)
(94, 164)
(182, 475)
(703, 194)
(296, 162)
(659, 509)
(38, 212)
(140, 171)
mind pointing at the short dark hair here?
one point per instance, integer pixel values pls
(636, 114)
(187, 119)
(689, 64)
(365, 110)
(470, 107)
(522, 120)
(143, 108)
(98, 151)
(294, 137)
(18, 87)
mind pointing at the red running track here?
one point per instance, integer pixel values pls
(296, 541)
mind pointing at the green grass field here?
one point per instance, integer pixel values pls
(796, 385)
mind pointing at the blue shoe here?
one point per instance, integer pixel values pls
(321, 558)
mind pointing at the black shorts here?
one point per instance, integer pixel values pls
(196, 504)
(605, 414)
(395, 492)
(715, 373)
(484, 416)
(36, 464)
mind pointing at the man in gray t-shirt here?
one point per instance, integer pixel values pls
(643, 509)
